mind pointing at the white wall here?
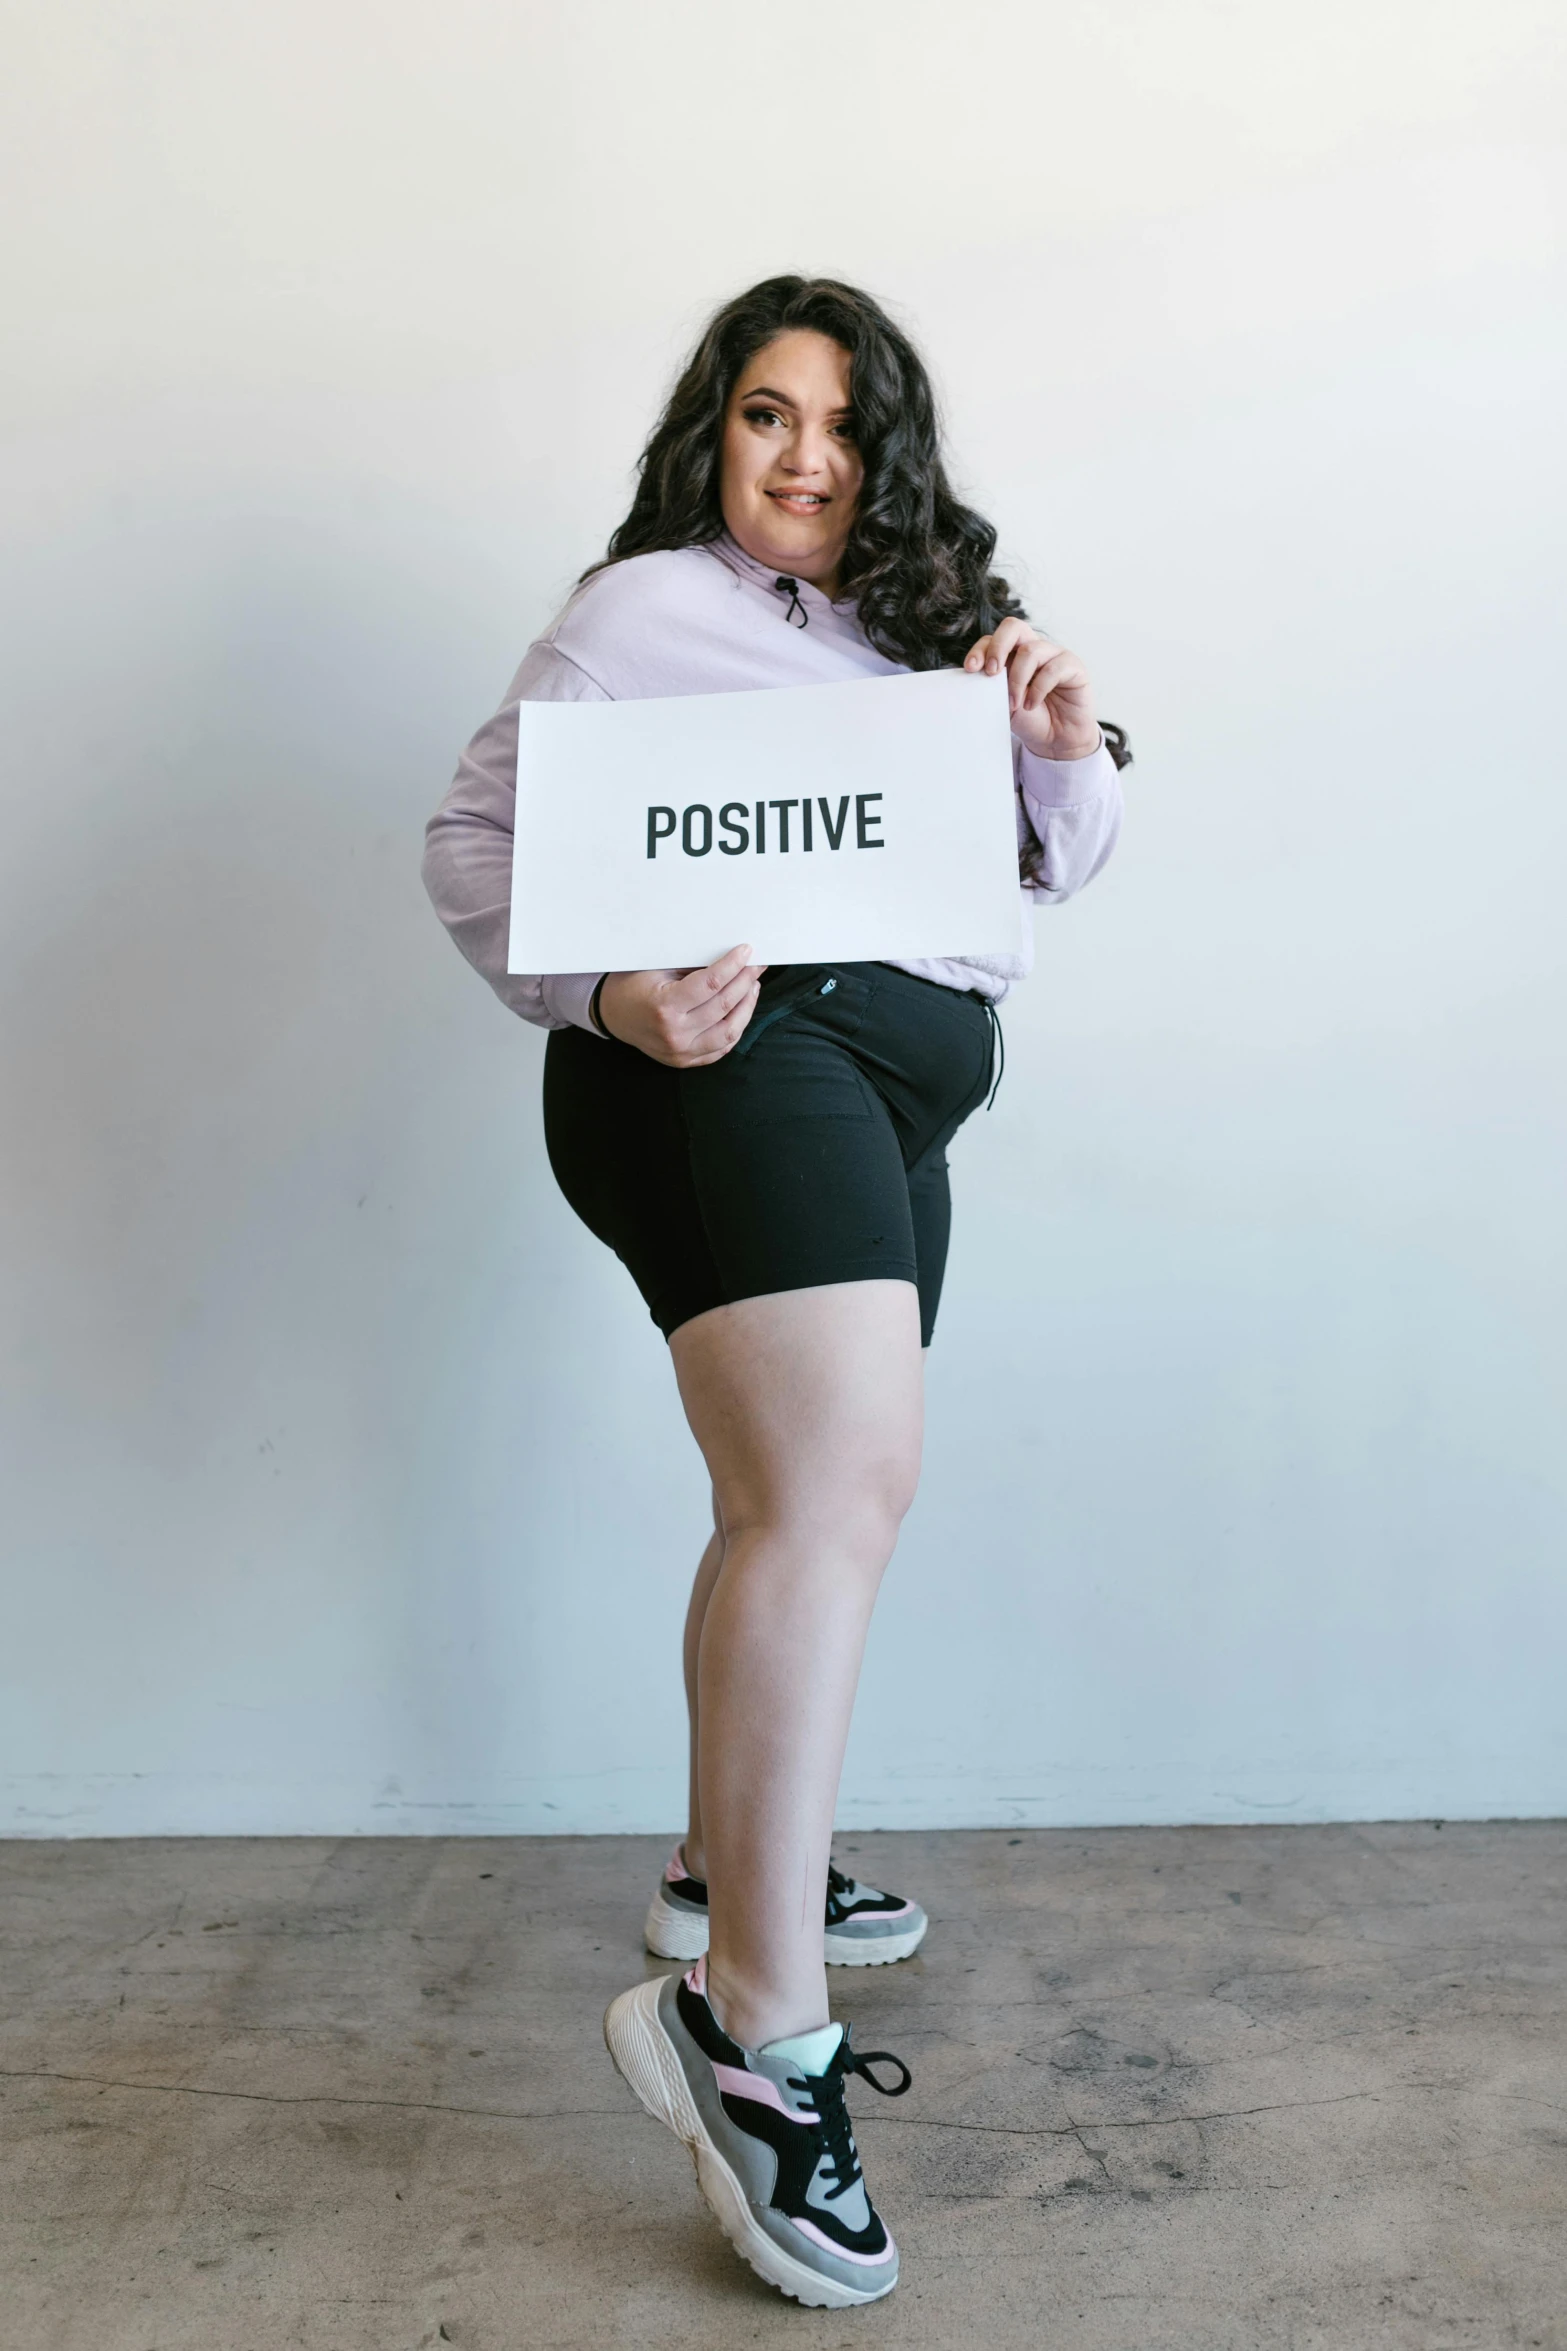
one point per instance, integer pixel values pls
(346, 1487)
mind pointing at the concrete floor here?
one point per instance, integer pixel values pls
(1175, 2090)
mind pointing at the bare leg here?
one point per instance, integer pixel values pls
(701, 1592)
(808, 1408)
(708, 1567)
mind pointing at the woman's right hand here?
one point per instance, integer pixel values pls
(685, 1019)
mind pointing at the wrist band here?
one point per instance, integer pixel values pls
(594, 1014)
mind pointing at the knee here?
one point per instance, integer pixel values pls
(851, 1511)
(869, 1530)
(891, 1485)
(868, 1516)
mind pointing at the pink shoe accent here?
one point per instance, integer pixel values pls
(675, 1868)
(757, 2087)
(861, 2260)
(696, 1978)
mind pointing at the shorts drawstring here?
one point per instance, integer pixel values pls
(998, 1046)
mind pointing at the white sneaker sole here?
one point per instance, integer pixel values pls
(646, 2058)
(871, 1951)
(676, 1934)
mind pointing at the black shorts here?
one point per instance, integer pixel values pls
(815, 1151)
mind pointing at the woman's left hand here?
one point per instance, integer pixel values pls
(1052, 702)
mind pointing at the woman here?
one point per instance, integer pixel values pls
(766, 1152)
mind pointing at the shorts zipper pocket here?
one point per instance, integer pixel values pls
(787, 1000)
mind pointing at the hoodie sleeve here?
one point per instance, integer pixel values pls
(1072, 808)
(468, 847)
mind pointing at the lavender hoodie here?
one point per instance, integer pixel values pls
(708, 620)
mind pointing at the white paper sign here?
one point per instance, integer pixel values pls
(813, 823)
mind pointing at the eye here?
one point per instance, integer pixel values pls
(762, 416)
(844, 428)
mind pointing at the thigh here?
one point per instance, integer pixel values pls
(617, 1146)
(927, 1052)
(807, 1405)
(930, 1207)
(797, 1166)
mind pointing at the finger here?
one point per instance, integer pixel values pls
(706, 1060)
(1056, 663)
(735, 1021)
(974, 659)
(698, 1031)
(718, 1040)
(1062, 669)
(699, 1024)
(1012, 632)
(710, 980)
(723, 967)
(1024, 660)
(708, 1010)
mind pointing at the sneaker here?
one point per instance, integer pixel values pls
(863, 1928)
(770, 2135)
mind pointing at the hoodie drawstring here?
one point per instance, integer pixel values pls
(786, 586)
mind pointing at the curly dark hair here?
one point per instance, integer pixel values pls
(918, 560)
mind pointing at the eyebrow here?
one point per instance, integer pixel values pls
(766, 392)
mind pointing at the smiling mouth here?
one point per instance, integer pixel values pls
(798, 501)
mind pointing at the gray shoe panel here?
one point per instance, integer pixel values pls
(678, 1901)
(756, 2166)
(862, 2277)
(871, 1928)
(751, 2160)
(853, 2208)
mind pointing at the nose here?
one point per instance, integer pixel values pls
(807, 450)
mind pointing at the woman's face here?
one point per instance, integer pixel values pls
(791, 471)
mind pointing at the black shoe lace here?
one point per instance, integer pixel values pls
(826, 2092)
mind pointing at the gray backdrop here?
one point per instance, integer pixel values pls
(347, 1489)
